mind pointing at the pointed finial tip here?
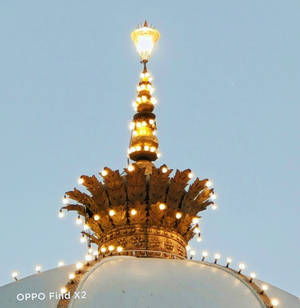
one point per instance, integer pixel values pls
(145, 23)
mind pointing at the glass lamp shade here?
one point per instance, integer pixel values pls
(144, 39)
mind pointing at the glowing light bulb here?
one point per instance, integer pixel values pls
(178, 215)
(88, 257)
(217, 257)
(96, 217)
(112, 213)
(252, 276)
(228, 261)
(60, 263)
(111, 248)
(96, 253)
(204, 255)
(119, 249)
(208, 183)
(82, 239)
(153, 100)
(213, 197)
(138, 148)
(162, 206)
(15, 275)
(196, 220)
(164, 170)
(274, 302)
(90, 250)
(190, 175)
(38, 268)
(61, 214)
(188, 248)
(151, 121)
(265, 287)
(242, 266)
(152, 149)
(79, 265)
(133, 212)
(71, 276)
(80, 181)
(65, 200)
(86, 227)
(138, 124)
(197, 230)
(199, 238)
(144, 123)
(146, 147)
(130, 168)
(78, 220)
(131, 125)
(214, 207)
(103, 249)
(63, 290)
(104, 172)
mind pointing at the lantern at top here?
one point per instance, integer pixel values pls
(144, 39)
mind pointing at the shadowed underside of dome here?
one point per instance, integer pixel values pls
(142, 208)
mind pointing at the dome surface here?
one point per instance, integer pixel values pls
(130, 282)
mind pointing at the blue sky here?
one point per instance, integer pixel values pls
(227, 79)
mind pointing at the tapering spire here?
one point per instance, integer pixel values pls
(143, 142)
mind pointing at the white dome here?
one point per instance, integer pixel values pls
(130, 282)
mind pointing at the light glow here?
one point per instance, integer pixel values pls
(133, 212)
(162, 206)
(178, 215)
(80, 181)
(112, 213)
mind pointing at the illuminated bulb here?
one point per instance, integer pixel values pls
(80, 181)
(264, 288)
(199, 238)
(131, 125)
(274, 302)
(38, 268)
(104, 172)
(134, 133)
(88, 257)
(103, 249)
(130, 168)
(143, 87)
(90, 250)
(60, 263)
(15, 275)
(63, 290)
(138, 124)
(208, 183)
(95, 253)
(228, 261)
(111, 248)
(213, 197)
(196, 220)
(164, 169)
(192, 253)
(190, 175)
(138, 148)
(204, 255)
(61, 214)
(71, 276)
(112, 212)
(151, 121)
(78, 220)
(252, 276)
(82, 239)
(96, 217)
(144, 123)
(86, 227)
(242, 266)
(119, 249)
(138, 100)
(197, 230)
(152, 149)
(153, 100)
(146, 147)
(133, 212)
(214, 207)
(188, 248)
(162, 206)
(144, 98)
(65, 200)
(79, 265)
(178, 215)
(217, 257)
(134, 104)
